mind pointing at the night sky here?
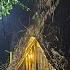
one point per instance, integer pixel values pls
(9, 28)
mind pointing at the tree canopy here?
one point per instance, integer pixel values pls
(7, 5)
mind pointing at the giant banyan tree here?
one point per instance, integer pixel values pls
(38, 48)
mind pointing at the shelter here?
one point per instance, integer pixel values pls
(33, 58)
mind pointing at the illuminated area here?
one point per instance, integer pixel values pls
(33, 58)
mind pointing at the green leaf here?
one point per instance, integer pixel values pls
(6, 6)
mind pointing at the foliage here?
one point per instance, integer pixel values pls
(7, 5)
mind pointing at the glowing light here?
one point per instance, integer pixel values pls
(31, 56)
(34, 56)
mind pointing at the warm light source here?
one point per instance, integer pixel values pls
(31, 56)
